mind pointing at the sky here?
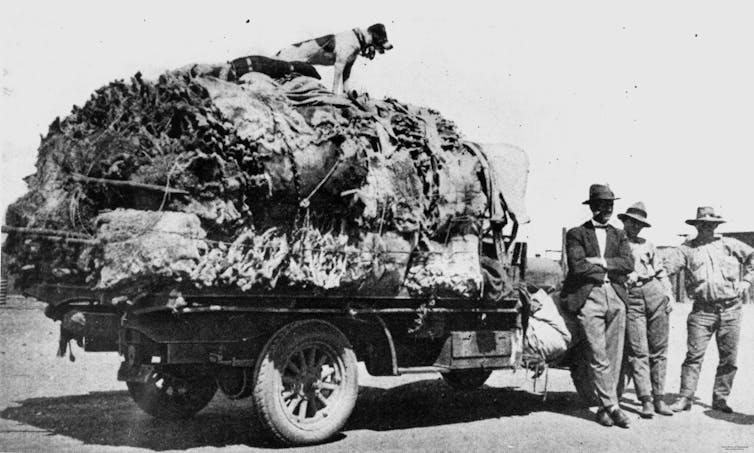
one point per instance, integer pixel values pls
(654, 98)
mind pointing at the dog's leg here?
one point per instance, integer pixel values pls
(347, 76)
(337, 77)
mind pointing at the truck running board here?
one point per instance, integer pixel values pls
(422, 369)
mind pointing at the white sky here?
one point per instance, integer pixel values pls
(656, 98)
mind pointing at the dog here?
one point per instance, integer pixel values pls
(340, 51)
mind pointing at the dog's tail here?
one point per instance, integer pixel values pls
(305, 69)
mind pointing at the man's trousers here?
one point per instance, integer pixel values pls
(705, 320)
(603, 318)
(647, 339)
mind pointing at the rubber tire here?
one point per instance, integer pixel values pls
(159, 404)
(465, 380)
(268, 384)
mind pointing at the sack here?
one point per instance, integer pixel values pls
(547, 334)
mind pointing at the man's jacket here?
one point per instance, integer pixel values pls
(581, 243)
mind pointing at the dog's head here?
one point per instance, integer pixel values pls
(379, 38)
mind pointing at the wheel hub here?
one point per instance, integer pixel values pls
(309, 384)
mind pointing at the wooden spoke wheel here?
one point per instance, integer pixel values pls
(305, 383)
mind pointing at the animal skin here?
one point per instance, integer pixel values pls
(272, 67)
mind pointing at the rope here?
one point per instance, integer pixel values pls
(382, 218)
(167, 185)
(306, 201)
(43, 232)
(305, 229)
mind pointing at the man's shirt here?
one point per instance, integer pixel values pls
(600, 230)
(713, 269)
(647, 264)
(601, 233)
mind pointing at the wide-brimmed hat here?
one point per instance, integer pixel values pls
(600, 192)
(705, 214)
(637, 212)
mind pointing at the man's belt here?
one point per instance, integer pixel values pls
(641, 281)
(717, 305)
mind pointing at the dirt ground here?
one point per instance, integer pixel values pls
(51, 404)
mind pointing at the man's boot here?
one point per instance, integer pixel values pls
(683, 404)
(647, 411)
(662, 408)
(619, 417)
(722, 406)
(603, 418)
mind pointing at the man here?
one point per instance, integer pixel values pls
(599, 259)
(712, 267)
(649, 302)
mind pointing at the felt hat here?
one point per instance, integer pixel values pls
(705, 214)
(637, 212)
(600, 192)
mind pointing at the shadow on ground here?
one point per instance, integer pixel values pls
(432, 402)
(735, 417)
(111, 418)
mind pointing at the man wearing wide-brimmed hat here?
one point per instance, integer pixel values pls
(649, 302)
(599, 259)
(712, 267)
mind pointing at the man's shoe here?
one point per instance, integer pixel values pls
(620, 418)
(722, 406)
(603, 418)
(647, 411)
(662, 408)
(683, 404)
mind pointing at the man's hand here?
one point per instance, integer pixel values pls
(633, 277)
(743, 287)
(597, 260)
(669, 302)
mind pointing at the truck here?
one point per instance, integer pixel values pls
(294, 353)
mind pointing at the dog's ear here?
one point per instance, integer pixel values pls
(379, 37)
(378, 31)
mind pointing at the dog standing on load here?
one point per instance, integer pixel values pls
(339, 50)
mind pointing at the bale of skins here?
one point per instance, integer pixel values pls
(257, 184)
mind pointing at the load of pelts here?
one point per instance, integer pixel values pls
(251, 185)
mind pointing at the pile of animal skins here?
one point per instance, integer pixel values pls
(195, 182)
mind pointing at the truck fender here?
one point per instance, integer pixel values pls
(372, 342)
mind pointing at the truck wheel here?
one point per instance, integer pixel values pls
(305, 383)
(174, 393)
(466, 379)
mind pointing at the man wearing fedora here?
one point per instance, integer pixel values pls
(599, 260)
(649, 303)
(712, 267)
